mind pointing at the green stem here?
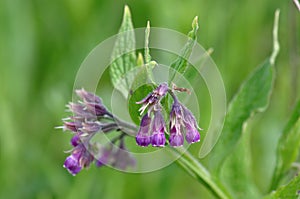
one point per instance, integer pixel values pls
(126, 127)
(200, 173)
(149, 68)
(191, 166)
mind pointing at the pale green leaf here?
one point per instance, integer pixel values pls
(140, 60)
(289, 191)
(236, 172)
(288, 147)
(253, 96)
(147, 35)
(181, 63)
(143, 73)
(123, 55)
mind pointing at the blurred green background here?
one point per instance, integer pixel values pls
(42, 44)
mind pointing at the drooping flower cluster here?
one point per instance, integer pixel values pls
(152, 130)
(182, 120)
(89, 117)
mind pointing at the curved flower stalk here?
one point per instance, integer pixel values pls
(89, 117)
(182, 121)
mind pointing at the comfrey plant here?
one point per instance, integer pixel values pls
(90, 116)
(164, 122)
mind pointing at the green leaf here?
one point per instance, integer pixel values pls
(147, 34)
(143, 74)
(253, 96)
(288, 147)
(123, 55)
(137, 95)
(289, 191)
(140, 60)
(180, 64)
(236, 171)
(192, 74)
(149, 64)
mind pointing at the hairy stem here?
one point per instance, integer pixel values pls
(189, 164)
(124, 126)
(196, 170)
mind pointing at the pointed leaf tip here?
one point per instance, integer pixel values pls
(147, 35)
(126, 11)
(123, 55)
(276, 46)
(140, 60)
(195, 24)
(180, 64)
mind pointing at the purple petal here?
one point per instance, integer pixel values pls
(106, 153)
(192, 135)
(97, 109)
(153, 97)
(72, 126)
(88, 97)
(80, 111)
(143, 140)
(91, 127)
(123, 159)
(72, 165)
(175, 114)
(176, 138)
(143, 137)
(158, 125)
(176, 110)
(162, 89)
(145, 122)
(75, 140)
(86, 159)
(75, 108)
(158, 129)
(158, 139)
(189, 118)
(145, 100)
(99, 163)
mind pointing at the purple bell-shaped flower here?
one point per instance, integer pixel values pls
(143, 137)
(158, 130)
